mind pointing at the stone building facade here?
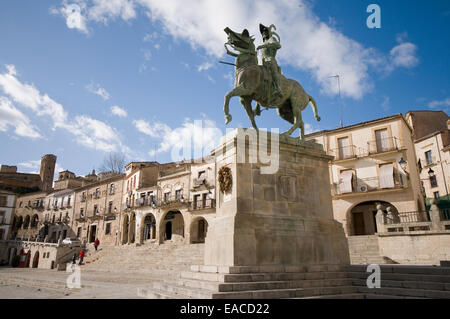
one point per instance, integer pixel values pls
(28, 216)
(431, 133)
(58, 209)
(374, 162)
(7, 204)
(97, 210)
(176, 205)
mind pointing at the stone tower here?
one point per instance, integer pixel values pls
(47, 172)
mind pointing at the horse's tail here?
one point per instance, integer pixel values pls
(314, 106)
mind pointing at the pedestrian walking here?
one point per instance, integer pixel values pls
(81, 256)
(96, 244)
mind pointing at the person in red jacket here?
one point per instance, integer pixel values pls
(81, 257)
(96, 243)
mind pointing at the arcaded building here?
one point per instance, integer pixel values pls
(173, 205)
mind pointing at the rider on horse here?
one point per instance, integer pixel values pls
(268, 52)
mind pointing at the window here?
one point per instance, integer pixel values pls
(344, 148)
(382, 140)
(111, 189)
(110, 207)
(95, 210)
(167, 196)
(2, 217)
(433, 181)
(346, 181)
(178, 194)
(2, 201)
(429, 158)
(197, 202)
(68, 201)
(151, 198)
(82, 213)
(97, 193)
(436, 195)
(2, 233)
(78, 232)
(386, 178)
(202, 175)
(20, 204)
(108, 229)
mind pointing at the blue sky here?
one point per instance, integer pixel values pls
(82, 78)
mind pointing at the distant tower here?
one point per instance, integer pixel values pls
(48, 163)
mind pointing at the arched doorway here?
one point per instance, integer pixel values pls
(26, 223)
(199, 228)
(28, 259)
(36, 260)
(149, 228)
(125, 229)
(362, 217)
(132, 229)
(35, 221)
(173, 225)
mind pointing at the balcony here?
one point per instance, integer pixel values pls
(80, 218)
(203, 204)
(384, 145)
(368, 184)
(346, 152)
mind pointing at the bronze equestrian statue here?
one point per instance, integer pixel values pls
(264, 83)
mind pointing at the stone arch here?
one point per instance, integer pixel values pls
(19, 222)
(125, 225)
(360, 217)
(36, 259)
(28, 259)
(132, 228)
(26, 222)
(148, 227)
(198, 230)
(35, 221)
(172, 226)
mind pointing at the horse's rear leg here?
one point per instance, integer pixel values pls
(298, 123)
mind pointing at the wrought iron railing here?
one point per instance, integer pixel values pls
(203, 204)
(382, 145)
(369, 184)
(445, 214)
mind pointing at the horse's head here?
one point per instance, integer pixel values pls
(240, 40)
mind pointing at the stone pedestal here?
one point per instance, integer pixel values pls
(284, 218)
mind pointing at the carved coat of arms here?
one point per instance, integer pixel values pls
(225, 179)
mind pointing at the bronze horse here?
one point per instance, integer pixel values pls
(253, 82)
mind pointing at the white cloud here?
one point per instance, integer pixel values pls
(28, 96)
(98, 90)
(11, 116)
(193, 139)
(404, 55)
(74, 15)
(103, 10)
(95, 134)
(157, 129)
(435, 104)
(204, 66)
(116, 110)
(89, 132)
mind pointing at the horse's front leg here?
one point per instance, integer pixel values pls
(237, 91)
